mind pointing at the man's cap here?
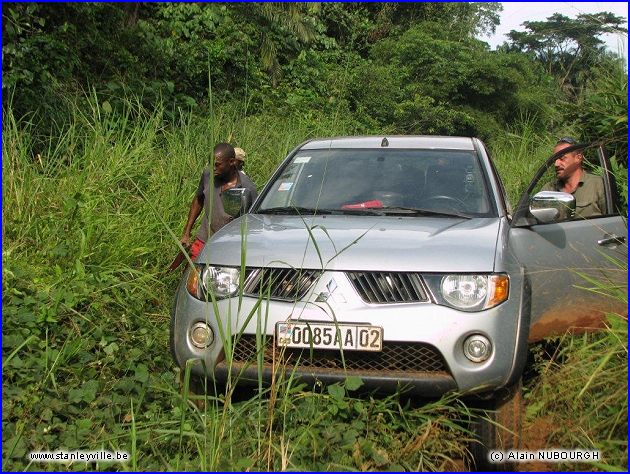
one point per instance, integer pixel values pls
(240, 153)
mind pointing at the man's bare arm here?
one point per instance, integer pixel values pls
(196, 206)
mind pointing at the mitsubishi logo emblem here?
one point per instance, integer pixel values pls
(324, 295)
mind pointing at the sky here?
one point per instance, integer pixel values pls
(515, 13)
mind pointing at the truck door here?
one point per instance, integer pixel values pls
(577, 268)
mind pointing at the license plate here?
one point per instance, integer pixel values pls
(346, 337)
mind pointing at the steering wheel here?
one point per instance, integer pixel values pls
(450, 201)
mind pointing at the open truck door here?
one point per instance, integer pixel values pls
(575, 265)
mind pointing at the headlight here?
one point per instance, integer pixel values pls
(221, 281)
(474, 292)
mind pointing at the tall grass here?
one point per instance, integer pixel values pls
(583, 392)
(90, 223)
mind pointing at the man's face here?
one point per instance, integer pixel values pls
(222, 166)
(567, 164)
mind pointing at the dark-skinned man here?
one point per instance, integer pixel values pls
(226, 176)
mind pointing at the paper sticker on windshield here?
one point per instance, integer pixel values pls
(470, 177)
(285, 186)
(302, 159)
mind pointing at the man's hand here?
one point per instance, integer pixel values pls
(185, 241)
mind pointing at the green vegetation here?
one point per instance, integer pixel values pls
(89, 231)
(86, 363)
(96, 185)
(583, 389)
(400, 67)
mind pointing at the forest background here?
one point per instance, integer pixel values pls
(110, 112)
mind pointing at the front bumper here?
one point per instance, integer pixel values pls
(424, 385)
(420, 324)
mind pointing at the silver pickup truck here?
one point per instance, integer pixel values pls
(398, 260)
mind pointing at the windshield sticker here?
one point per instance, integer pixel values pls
(285, 186)
(469, 174)
(302, 159)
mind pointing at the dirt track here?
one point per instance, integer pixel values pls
(536, 436)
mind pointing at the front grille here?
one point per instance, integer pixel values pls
(397, 357)
(279, 283)
(388, 287)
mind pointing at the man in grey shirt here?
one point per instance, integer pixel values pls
(208, 197)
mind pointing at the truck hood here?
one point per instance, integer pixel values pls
(361, 243)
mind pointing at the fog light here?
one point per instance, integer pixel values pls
(477, 348)
(201, 335)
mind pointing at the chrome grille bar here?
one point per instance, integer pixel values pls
(388, 287)
(279, 283)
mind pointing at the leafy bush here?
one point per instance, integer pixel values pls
(604, 114)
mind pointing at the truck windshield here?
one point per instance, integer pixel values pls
(349, 180)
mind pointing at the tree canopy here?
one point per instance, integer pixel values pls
(568, 48)
(397, 66)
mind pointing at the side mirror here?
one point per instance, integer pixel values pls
(552, 206)
(236, 201)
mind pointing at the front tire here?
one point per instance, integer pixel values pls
(498, 427)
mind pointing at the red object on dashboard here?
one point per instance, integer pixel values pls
(363, 205)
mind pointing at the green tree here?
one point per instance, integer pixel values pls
(569, 49)
(604, 113)
(279, 27)
(356, 26)
(429, 82)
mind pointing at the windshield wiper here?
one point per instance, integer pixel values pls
(420, 212)
(360, 211)
(369, 211)
(293, 210)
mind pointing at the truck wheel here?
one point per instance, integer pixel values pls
(497, 427)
